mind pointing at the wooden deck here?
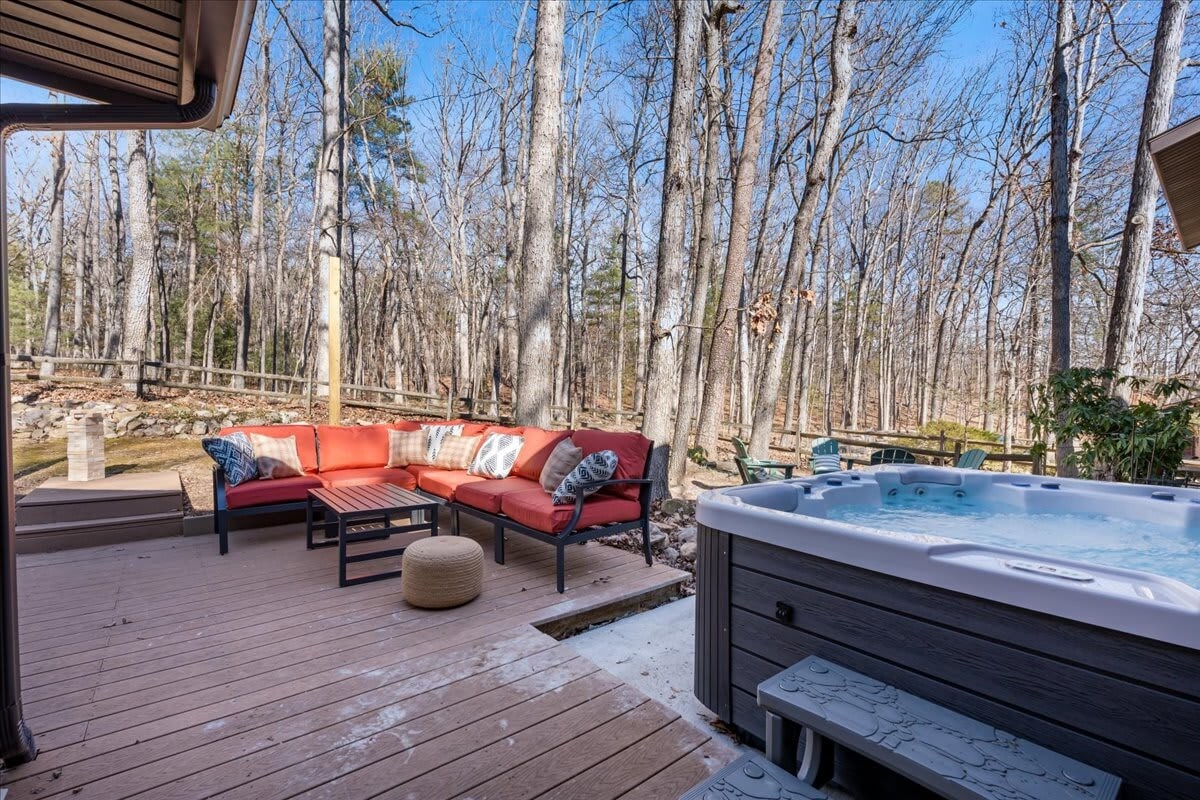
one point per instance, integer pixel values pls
(158, 669)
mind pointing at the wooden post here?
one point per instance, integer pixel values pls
(335, 340)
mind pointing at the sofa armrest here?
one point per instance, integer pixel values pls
(580, 497)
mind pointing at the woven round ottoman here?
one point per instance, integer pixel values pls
(442, 571)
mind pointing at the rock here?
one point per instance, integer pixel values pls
(256, 421)
(199, 428)
(670, 554)
(123, 422)
(674, 505)
(657, 537)
(178, 428)
(686, 534)
(687, 551)
(204, 413)
(33, 415)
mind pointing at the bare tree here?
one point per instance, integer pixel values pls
(1129, 294)
(535, 381)
(720, 355)
(845, 29)
(1061, 201)
(331, 179)
(141, 273)
(55, 266)
(668, 315)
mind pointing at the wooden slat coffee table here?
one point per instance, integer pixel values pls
(372, 507)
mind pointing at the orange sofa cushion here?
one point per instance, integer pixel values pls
(370, 475)
(306, 440)
(486, 495)
(443, 482)
(272, 491)
(534, 509)
(403, 425)
(504, 431)
(538, 446)
(352, 446)
(631, 449)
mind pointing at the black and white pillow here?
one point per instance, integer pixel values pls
(496, 457)
(599, 466)
(436, 435)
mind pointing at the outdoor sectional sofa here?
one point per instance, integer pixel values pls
(347, 455)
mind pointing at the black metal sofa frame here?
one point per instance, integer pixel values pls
(501, 523)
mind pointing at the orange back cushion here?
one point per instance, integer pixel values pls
(631, 449)
(538, 446)
(352, 446)
(306, 439)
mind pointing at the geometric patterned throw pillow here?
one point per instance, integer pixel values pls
(234, 454)
(276, 456)
(436, 434)
(599, 466)
(497, 456)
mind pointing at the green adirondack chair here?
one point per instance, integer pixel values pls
(892, 455)
(825, 456)
(756, 470)
(972, 459)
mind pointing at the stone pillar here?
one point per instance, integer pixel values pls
(85, 447)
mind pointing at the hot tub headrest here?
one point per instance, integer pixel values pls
(946, 477)
(776, 495)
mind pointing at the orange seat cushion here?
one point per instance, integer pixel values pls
(443, 482)
(486, 495)
(534, 509)
(370, 475)
(352, 446)
(631, 449)
(271, 491)
(306, 440)
(536, 448)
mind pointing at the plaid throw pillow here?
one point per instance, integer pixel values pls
(436, 434)
(497, 456)
(276, 456)
(564, 458)
(599, 466)
(234, 454)
(456, 452)
(407, 447)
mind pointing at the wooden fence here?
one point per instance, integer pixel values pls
(139, 376)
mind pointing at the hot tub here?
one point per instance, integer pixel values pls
(1065, 611)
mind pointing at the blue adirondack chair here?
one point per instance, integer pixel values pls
(756, 470)
(825, 456)
(971, 459)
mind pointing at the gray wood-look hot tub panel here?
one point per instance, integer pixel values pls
(1125, 704)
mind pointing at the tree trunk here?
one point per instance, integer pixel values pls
(668, 314)
(1125, 316)
(141, 273)
(720, 354)
(844, 32)
(694, 335)
(535, 379)
(1061, 252)
(54, 268)
(116, 234)
(330, 175)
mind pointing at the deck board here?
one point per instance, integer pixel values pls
(160, 670)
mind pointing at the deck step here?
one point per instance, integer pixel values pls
(62, 514)
(951, 754)
(753, 776)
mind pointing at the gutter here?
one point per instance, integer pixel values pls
(16, 739)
